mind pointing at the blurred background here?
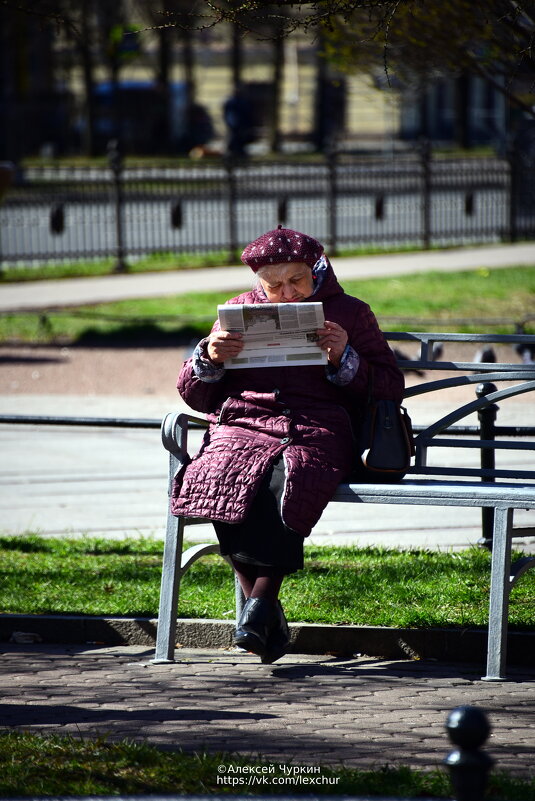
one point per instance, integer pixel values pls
(166, 76)
(411, 126)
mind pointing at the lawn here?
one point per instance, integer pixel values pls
(349, 585)
(55, 765)
(456, 301)
(157, 262)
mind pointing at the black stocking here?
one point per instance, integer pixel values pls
(268, 584)
(257, 581)
(247, 575)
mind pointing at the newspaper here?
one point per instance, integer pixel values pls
(274, 334)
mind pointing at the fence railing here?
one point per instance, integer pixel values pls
(408, 200)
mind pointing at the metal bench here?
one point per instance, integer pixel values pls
(497, 491)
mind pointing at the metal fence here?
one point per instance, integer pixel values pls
(347, 201)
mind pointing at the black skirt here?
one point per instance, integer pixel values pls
(263, 538)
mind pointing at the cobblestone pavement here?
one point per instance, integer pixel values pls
(311, 710)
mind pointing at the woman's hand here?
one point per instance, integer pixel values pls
(333, 338)
(223, 345)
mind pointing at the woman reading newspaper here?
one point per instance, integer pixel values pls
(281, 437)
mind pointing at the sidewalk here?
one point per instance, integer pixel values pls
(316, 710)
(78, 291)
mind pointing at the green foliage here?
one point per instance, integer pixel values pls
(361, 586)
(415, 42)
(156, 262)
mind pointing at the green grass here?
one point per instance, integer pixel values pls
(169, 320)
(506, 292)
(157, 262)
(59, 765)
(429, 301)
(370, 586)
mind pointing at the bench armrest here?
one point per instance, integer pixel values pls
(175, 426)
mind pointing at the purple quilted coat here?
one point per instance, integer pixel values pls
(258, 414)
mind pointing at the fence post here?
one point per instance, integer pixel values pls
(425, 157)
(333, 195)
(487, 419)
(232, 197)
(7, 172)
(468, 728)
(115, 160)
(513, 194)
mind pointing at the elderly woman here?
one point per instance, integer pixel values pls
(280, 439)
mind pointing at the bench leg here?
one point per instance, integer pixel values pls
(239, 595)
(170, 584)
(499, 595)
(240, 599)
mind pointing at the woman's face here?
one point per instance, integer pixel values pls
(289, 282)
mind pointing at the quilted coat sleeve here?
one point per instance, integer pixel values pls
(367, 339)
(203, 396)
(199, 395)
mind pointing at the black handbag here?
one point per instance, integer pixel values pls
(385, 444)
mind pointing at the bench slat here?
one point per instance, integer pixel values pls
(439, 493)
(481, 472)
(443, 442)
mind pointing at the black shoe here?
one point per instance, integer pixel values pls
(257, 619)
(278, 638)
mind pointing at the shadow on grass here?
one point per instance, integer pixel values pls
(141, 335)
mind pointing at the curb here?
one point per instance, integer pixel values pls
(454, 645)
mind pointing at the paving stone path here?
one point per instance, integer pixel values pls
(309, 710)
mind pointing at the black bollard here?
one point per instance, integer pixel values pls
(468, 728)
(232, 196)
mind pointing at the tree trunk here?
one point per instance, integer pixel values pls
(188, 63)
(278, 67)
(236, 58)
(189, 77)
(163, 81)
(319, 134)
(84, 45)
(463, 136)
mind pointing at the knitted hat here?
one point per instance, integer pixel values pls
(282, 245)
